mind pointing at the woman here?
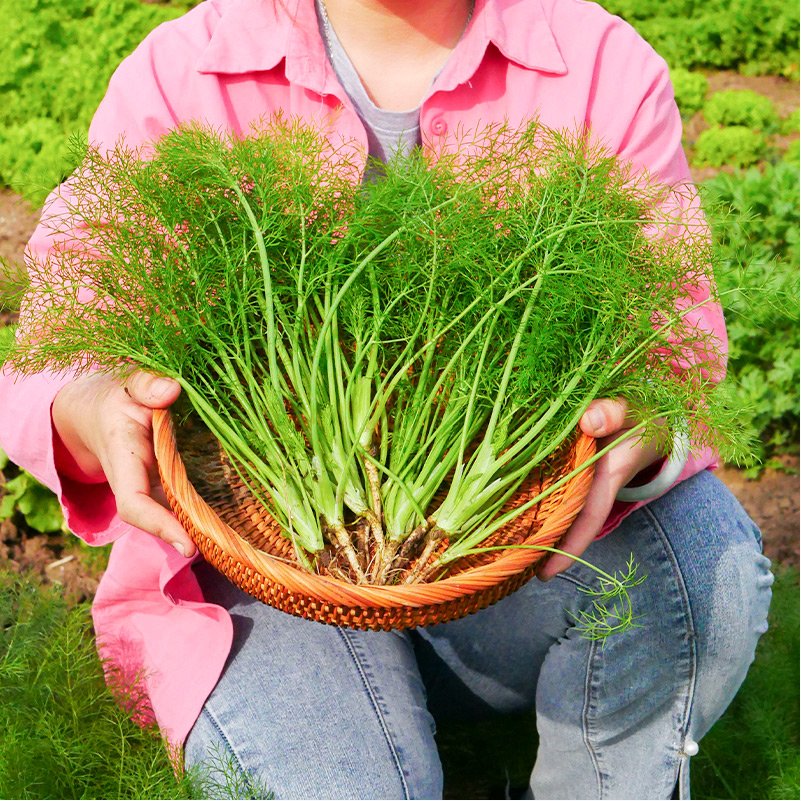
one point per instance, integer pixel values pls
(314, 711)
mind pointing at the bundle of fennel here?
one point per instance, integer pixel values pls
(385, 364)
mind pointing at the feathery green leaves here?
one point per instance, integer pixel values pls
(390, 358)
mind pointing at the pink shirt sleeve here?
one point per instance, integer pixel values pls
(651, 137)
(26, 430)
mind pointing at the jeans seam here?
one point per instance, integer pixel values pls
(585, 717)
(588, 693)
(691, 637)
(572, 579)
(231, 750)
(363, 674)
(688, 662)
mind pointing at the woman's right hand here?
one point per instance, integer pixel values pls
(105, 427)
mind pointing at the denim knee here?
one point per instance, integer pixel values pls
(644, 699)
(305, 710)
(728, 584)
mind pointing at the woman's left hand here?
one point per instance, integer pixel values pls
(605, 420)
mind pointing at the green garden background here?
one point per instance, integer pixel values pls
(735, 69)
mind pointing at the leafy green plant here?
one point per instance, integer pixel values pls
(759, 244)
(62, 732)
(32, 156)
(789, 124)
(24, 495)
(690, 89)
(791, 154)
(734, 145)
(6, 341)
(361, 352)
(38, 506)
(58, 57)
(752, 36)
(742, 107)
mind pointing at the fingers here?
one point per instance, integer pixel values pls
(612, 471)
(129, 465)
(587, 524)
(105, 427)
(155, 392)
(604, 416)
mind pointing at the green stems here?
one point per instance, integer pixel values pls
(611, 610)
(384, 365)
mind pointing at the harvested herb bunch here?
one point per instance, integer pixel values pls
(384, 365)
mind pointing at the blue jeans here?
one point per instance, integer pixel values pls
(314, 711)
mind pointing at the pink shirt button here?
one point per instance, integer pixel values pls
(439, 126)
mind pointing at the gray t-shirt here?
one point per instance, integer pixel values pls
(388, 132)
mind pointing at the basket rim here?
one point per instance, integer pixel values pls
(327, 589)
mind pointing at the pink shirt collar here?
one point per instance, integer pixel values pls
(252, 37)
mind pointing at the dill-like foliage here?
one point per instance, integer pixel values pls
(362, 350)
(62, 732)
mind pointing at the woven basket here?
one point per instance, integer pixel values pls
(234, 533)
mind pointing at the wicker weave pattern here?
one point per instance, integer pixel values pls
(259, 560)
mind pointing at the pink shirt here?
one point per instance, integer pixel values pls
(230, 62)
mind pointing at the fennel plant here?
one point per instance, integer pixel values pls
(384, 365)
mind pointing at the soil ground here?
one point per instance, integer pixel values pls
(772, 500)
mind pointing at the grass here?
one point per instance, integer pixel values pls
(61, 733)
(63, 736)
(753, 751)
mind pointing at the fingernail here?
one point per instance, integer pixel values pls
(160, 387)
(180, 547)
(548, 573)
(596, 419)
